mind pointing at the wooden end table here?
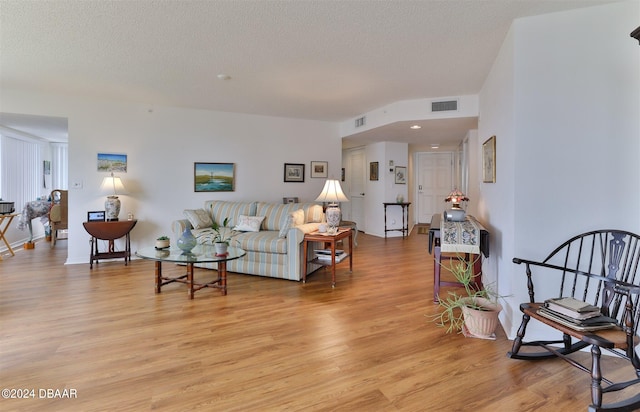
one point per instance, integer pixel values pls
(110, 231)
(328, 240)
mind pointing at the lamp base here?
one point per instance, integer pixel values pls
(333, 215)
(454, 215)
(112, 208)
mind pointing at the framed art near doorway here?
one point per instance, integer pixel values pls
(489, 160)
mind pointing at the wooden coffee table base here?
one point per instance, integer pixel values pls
(220, 283)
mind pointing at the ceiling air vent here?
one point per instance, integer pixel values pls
(360, 121)
(444, 106)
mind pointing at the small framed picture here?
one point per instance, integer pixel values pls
(95, 216)
(294, 172)
(373, 171)
(319, 169)
(401, 175)
(489, 160)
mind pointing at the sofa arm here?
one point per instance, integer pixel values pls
(178, 226)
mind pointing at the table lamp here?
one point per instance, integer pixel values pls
(332, 193)
(112, 186)
(456, 213)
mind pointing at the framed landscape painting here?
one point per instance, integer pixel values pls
(112, 162)
(214, 177)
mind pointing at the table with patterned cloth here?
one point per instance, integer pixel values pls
(467, 238)
(32, 210)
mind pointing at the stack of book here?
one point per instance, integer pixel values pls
(576, 314)
(325, 255)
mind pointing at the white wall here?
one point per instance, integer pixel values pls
(563, 100)
(385, 189)
(162, 144)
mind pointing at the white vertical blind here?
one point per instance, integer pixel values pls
(59, 162)
(20, 170)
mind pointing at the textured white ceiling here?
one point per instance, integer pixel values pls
(320, 59)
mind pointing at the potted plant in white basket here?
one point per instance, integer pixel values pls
(474, 311)
(223, 237)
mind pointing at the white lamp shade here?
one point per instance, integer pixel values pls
(332, 192)
(112, 186)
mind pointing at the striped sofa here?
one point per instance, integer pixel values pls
(273, 251)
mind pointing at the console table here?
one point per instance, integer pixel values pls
(435, 246)
(405, 222)
(110, 231)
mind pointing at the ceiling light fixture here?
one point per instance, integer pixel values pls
(416, 127)
(222, 76)
(435, 146)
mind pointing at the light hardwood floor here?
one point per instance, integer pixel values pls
(269, 345)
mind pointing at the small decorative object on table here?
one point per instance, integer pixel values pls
(187, 241)
(456, 213)
(162, 242)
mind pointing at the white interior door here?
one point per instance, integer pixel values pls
(434, 183)
(356, 173)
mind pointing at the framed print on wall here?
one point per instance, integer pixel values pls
(214, 177)
(373, 170)
(401, 175)
(319, 169)
(489, 160)
(294, 172)
(112, 162)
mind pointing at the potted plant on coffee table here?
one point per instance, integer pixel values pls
(162, 242)
(474, 311)
(222, 237)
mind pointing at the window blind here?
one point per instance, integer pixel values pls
(21, 177)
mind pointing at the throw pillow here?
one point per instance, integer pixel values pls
(298, 217)
(249, 223)
(199, 218)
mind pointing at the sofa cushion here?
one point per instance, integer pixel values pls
(199, 218)
(275, 215)
(222, 209)
(248, 223)
(297, 217)
(314, 214)
(266, 241)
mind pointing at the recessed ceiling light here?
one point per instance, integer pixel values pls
(435, 146)
(416, 127)
(222, 76)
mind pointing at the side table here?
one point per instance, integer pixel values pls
(110, 231)
(330, 240)
(405, 222)
(3, 229)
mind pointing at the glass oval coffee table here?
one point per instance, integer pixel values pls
(199, 254)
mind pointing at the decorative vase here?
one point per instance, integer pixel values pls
(187, 241)
(221, 248)
(399, 199)
(482, 322)
(112, 208)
